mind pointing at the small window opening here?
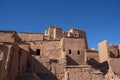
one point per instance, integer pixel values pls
(78, 52)
(70, 51)
(38, 52)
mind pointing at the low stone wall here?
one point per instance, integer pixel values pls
(83, 72)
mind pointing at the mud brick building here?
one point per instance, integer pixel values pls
(56, 55)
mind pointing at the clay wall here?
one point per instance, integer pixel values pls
(78, 33)
(114, 56)
(50, 63)
(51, 49)
(30, 36)
(103, 51)
(82, 72)
(92, 54)
(92, 58)
(50, 32)
(54, 33)
(74, 50)
(3, 53)
(14, 63)
(58, 33)
(115, 65)
(119, 47)
(46, 68)
(119, 51)
(114, 51)
(23, 55)
(9, 36)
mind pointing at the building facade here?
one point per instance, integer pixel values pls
(55, 55)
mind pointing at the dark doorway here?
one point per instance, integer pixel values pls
(70, 51)
(38, 52)
(78, 52)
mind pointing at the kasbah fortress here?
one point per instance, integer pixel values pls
(56, 55)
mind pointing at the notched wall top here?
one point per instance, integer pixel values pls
(56, 33)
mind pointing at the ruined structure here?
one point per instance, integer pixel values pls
(55, 55)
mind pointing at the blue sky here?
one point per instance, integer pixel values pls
(99, 18)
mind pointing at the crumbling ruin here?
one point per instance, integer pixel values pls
(56, 55)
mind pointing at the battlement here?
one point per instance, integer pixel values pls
(57, 33)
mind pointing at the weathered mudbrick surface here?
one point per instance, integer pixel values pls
(56, 55)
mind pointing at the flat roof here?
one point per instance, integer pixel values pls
(30, 33)
(7, 31)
